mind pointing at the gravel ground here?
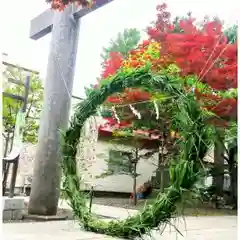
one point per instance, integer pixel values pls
(116, 202)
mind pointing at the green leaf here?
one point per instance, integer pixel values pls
(12, 106)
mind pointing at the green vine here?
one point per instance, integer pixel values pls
(188, 119)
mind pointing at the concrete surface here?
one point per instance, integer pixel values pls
(105, 211)
(194, 228)
(12, 208)
(13, 203)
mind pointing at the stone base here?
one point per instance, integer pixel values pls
(44, 218)
(13, 208)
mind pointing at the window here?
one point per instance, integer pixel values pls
(119, 162)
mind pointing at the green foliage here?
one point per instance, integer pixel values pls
(124, 42)
(147, 110)
(231, 133)
(231, 33)
(230, 136)
(188, 119)
(12, 106)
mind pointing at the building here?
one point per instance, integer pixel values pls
(106, 149)
(92, 163)
(92, 159)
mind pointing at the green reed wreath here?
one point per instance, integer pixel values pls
(189, 120)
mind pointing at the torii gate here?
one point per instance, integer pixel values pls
(57, 101)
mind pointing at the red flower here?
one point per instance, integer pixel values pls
(112, 64)
(145, 43)
(60, 5)
(213, 28)
(153, 32)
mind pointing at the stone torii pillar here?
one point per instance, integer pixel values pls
(57, 102)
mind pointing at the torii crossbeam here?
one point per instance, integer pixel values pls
(43, 23)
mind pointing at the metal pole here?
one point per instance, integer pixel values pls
(27, 87)
(13, 177)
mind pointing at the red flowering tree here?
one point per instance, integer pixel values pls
(204, 52)
(209, 53)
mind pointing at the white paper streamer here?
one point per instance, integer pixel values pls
(135, 112)
(115, 114)
(156, 109)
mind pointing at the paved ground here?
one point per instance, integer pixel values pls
(198, 228)
(193, 228)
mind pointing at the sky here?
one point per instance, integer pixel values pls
(96, 30)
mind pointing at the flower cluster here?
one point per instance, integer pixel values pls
(223, 107)
(60, 5)
(145, 53)
(111, 65)
(129, 96)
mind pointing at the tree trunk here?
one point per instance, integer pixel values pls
(135, 186)
(135, 178)
(161, 163)
(162, 179)
(233, 176)
(218, 180)
(234, 191)
(45, 188)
